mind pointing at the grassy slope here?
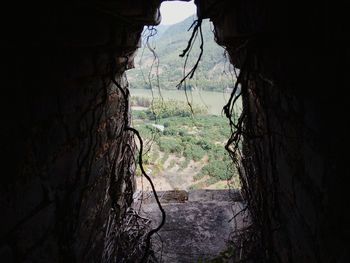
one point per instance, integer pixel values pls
(187, 142)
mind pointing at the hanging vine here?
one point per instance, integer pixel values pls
(127, 128)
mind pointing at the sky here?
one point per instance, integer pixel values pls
(175, 11)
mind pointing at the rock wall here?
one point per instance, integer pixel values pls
(67, 160)
(293, 61)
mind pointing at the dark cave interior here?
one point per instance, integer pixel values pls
(67, 155)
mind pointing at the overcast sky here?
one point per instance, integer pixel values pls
(176, 11)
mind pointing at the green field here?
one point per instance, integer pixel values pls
(186, 145)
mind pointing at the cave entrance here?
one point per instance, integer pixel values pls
(182, 125)
(184, 133)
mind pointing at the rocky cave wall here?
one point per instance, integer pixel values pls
(67, 160)
(292, 58)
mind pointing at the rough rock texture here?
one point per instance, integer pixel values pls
(293, 60)
(65, 159)
(67, 162)
(197, 229)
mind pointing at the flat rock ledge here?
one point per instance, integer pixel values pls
(198, 224)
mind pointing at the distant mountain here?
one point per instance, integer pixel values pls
(212, 73)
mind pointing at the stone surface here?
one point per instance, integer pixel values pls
(195, 229)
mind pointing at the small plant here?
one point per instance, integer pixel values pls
(225, 256)
(172, 164)
(184, 164)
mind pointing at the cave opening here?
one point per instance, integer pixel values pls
(68, 147)
(183, 124)
(184, 130)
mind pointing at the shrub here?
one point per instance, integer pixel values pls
(199, 176)
(183, 133)
(185, 163)
(170, 145)
(212, 180)
(170, 132)
(164, 158)
(194, 152)
(204, 144)
(217, 169)
(172, 108)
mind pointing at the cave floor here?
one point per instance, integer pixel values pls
(198, 224)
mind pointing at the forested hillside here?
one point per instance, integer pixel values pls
(212, 74)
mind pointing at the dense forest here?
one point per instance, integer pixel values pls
(159, 59)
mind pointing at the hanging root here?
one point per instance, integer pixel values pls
(127, 128)
(197, 27)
